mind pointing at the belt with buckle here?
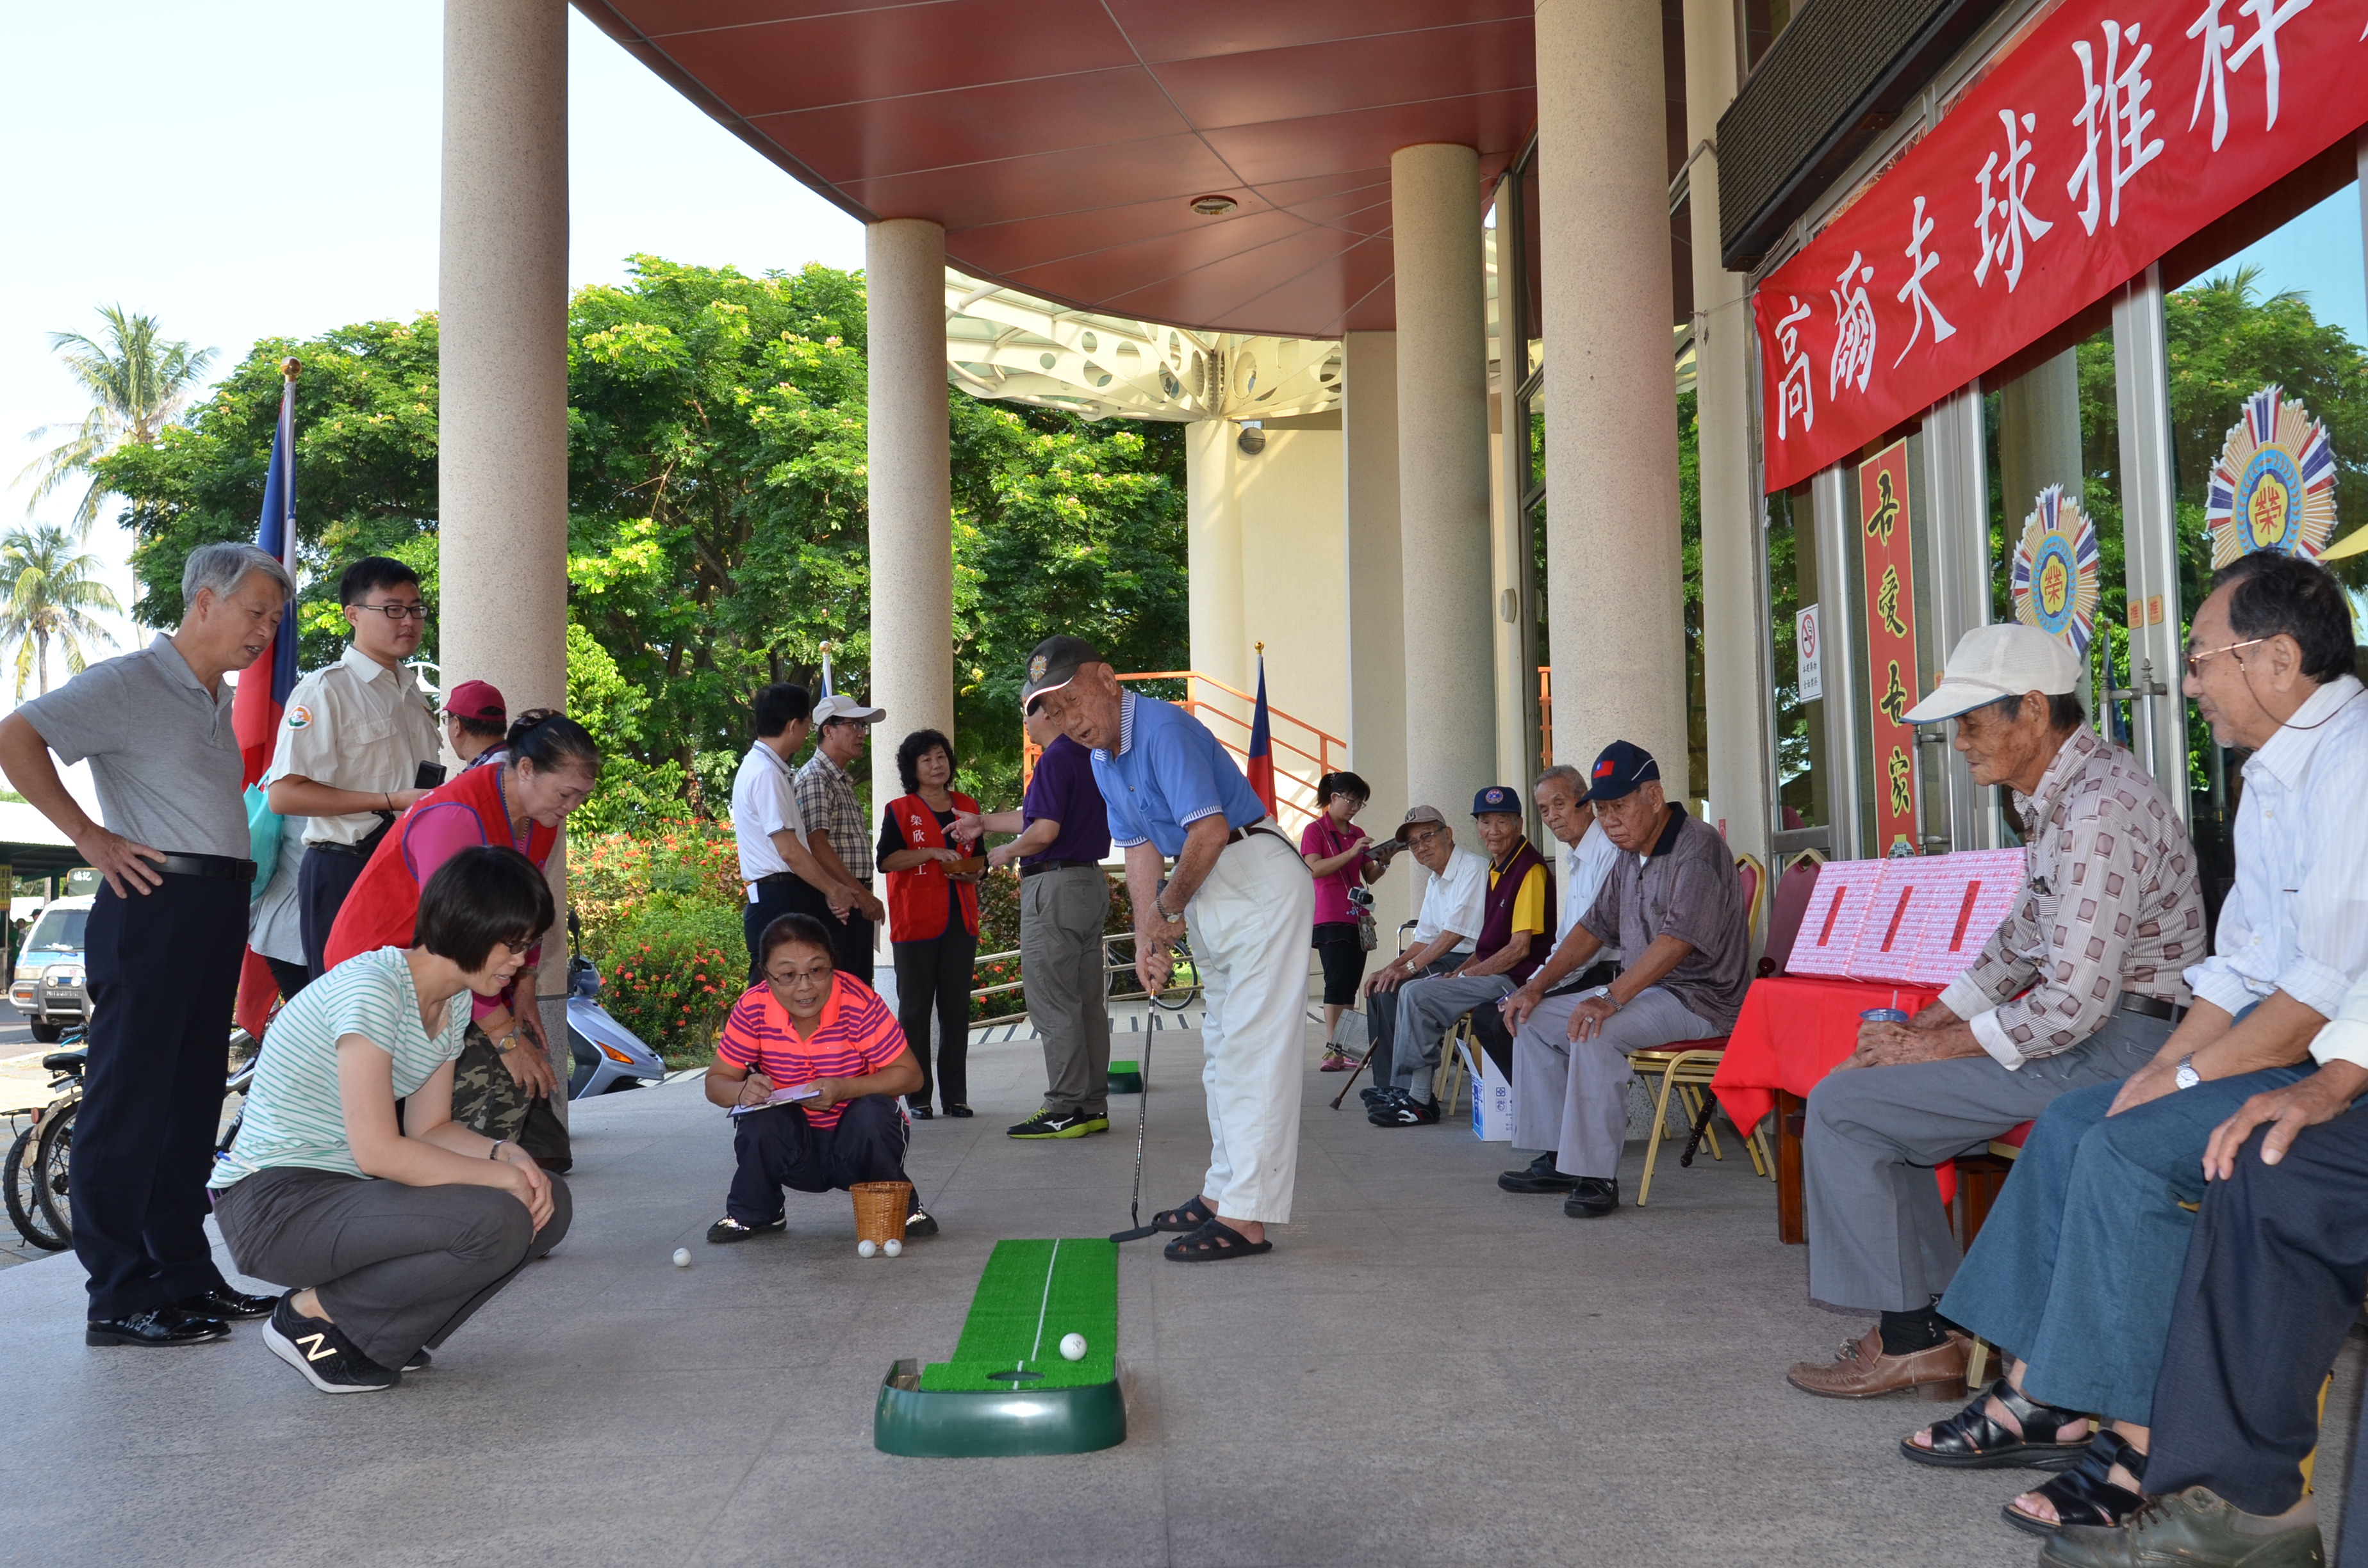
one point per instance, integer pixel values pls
(1260, 826)
(221, 867)
(2151, 1007)
(1031, 869)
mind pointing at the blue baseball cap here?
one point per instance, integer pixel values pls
(1496, 799)
(1619, 768)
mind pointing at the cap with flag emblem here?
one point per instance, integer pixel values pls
(1621, 769)
(1495, 801)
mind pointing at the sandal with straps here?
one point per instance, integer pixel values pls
(1973, 1439)
(1213, 1242)
(2082, 1495)
(1184, 1218)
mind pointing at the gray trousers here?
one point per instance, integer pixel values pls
(1382, 1017)
(1879, 1238)
(397, 1266)
(1571, 1096)
(1428, 1008)
(1062, 913)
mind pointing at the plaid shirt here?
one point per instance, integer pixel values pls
(2110, 904)
(826, 800)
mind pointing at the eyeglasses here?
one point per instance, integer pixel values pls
(394, 611)
(790, 977)
(2196, 660)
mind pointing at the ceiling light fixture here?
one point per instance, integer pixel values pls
(1213, 206)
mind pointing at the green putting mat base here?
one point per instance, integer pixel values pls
(1124, 1078)
(918, 1423)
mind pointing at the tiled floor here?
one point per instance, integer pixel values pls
(1427, 1370)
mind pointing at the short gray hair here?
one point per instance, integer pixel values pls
(1567, 774)
(222, 567)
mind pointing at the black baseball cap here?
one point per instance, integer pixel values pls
(1618, 769)
(1052, 666)
(1495, 801)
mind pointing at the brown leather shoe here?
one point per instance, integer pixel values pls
(1860, 1371)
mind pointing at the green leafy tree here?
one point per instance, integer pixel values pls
(54, 591)
(137, 382)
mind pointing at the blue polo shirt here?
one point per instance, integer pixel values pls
(1168, 773)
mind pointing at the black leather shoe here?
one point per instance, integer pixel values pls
(227, 1303)
(156, 1326)
(918, 1112)
(959, 1112)
(1540, 1176)
(1592, 1198)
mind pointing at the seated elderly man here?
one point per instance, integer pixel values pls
(2076, 1269)
(1509, 946)
(1674, 906)
(2085, 993)
(2274, 1282)
(1455, 888)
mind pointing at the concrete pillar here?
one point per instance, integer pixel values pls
(1221, 637)
(1442, 354)
(1614, 570)
(502, 362)
(1735, 601)
(911, 492)
(1377, 686)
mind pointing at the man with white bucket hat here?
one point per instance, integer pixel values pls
(2079, 985)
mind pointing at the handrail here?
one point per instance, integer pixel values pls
(1272, 710)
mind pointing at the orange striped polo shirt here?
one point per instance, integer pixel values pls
(855, 1037)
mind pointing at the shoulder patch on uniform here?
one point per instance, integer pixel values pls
(298, 716)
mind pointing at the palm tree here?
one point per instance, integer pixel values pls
(137, 383)
(53, 590)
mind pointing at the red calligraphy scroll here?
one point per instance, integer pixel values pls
(1890, 642)
(2115, 129)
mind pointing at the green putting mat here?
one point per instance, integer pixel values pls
(1031, 1294)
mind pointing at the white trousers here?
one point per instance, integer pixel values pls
(1251, 922)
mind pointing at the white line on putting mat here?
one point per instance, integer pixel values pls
(1042, 1306)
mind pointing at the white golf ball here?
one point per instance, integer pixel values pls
(866, 1248)
(893, 1248)
(682, 1257)
(1073, 1347)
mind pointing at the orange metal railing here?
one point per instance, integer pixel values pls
(1294, 790)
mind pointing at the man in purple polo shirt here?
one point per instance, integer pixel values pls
(1065, 899)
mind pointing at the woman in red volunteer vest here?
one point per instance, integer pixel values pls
(932, 917)
(547, 771)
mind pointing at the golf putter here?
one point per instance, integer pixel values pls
(1138, 1229)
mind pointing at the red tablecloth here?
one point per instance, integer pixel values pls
(1791, 1031)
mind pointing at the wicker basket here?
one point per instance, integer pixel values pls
(880, 1209)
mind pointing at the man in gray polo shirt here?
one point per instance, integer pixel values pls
(1674, 906)
(163, 940)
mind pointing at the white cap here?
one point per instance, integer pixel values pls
(838, 705)
(1992, 662)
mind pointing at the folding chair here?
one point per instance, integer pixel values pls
(1687, 1068)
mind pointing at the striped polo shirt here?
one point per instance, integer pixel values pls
(294, 1115)
(855, 1037)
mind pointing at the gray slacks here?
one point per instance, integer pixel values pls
(1878, 1239)
(1571, 1096)
(1428, 1009)
(1062, 913)
(397, 1266)
(1382, 1017)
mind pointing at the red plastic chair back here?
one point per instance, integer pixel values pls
(1792, 891)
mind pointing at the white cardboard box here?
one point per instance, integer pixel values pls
(1492, 1098)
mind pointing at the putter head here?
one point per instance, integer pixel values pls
(1136, 1234)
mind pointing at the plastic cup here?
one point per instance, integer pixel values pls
(1883, 1016)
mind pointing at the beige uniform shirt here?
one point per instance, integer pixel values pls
(355, 725)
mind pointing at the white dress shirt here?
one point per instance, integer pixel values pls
(359, 725)
(764, 802)
(2297, 919)
(1584, 865)
(1456, 901)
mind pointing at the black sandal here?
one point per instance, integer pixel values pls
(1213, 1242)
(2082, 1495)
(1973, 1439)
(1184, 1218)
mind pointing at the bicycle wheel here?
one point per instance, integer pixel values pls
(51, 1155)
(1183, 982)
(24, 1204)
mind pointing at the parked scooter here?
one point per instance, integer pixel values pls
(607, 1055)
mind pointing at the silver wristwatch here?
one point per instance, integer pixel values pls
(2187, 1077)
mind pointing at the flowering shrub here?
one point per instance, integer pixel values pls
(670, 970)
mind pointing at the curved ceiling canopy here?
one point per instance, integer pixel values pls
(1064, 143)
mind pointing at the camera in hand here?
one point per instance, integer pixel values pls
(430, 775)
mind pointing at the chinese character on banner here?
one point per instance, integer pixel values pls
(2006, 247)
(1919, 228)
(2114, 112)
(1887, 529)
(1792, 394)
(1854, 329)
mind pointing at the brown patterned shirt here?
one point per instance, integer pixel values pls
(2110, 904)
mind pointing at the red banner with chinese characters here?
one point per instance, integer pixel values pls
(2110, 134)
(1890, 643)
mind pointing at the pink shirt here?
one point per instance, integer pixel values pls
(1322, 840)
